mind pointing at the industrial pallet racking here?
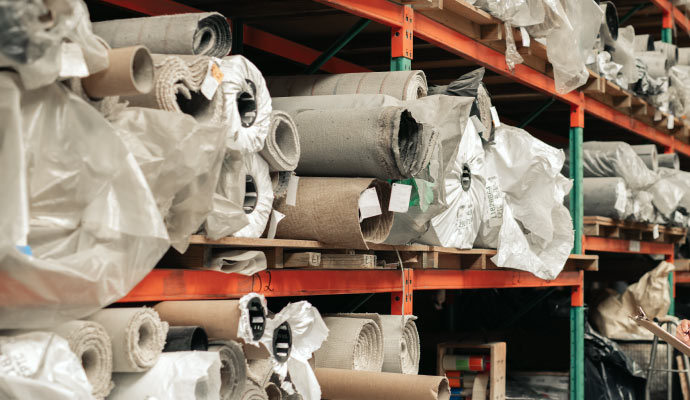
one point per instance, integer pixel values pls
(461, 30)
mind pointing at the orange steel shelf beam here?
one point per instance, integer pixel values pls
(677, 15)
(593, 243)
(252, 37)
(682, 277)
(180, 284)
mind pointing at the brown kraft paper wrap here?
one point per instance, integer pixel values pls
(341, 384)
(130, 73)
(327, 210)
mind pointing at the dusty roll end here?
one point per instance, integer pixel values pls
(376, 229)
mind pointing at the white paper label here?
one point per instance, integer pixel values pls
(657, 115)
(670, 121)
(494, 116)
(634, 246)
(291, 197)
(525, 36)
(494, 198)
(72, 62)
(369, 205)
(214, 76)
(655, 231)
(400, 198)
(276, 217)
(257, 320)
(464, 217)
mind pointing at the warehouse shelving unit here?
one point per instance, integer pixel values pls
(457, 29)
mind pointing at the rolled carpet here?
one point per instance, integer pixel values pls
(648, 154)
(669, 160)
(327, 209)
(137, 334)
(341, 384)
(195, 33)
(604, 197)
(186, 338)
(227, 214)
(281, 149)
(177, 87)
(383, 142)
(258, 196)
(404, 85)
(233, 368)
(352, 343)
(400, 344)
(90, 342)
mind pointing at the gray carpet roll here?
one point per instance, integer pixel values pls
(657, 63)
(352, 343)
(404, 85)
(177, 87)
(648, 154)
(384, 142)
(137, 334)
(643, 43)
(195, 33)
(90, 342)
(669, 160)
(605, 197)
(281, 149)
(670, 50)
(327, 209)
(233, 368)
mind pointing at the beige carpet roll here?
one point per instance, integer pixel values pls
(177, 87)
(252, 391)
(281, 149)
(195, 33)
(90, 342)
(340, 384)
(129, 73)
(401, 349)
(404, 85)
(137, 334)
(352, 343)
(327, 210)
(233, 368)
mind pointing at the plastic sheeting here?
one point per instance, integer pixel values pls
(624, 54)
(87, 200)
(181, 160)
(680, 80)
(180, 375)
(35, 35)
(227, 215)
(40, 365)
(258, 196)
(517, 12)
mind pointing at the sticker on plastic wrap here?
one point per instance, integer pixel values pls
(657, 116)
(400, 198)
(465, 217)
(670, 121)
(655, 231)
(494, 198)
(72, 62)
(369, 205)
(525, 36)
(494, 117)
(276, 217)
(634, 246)
(213, 79)
(291, 197)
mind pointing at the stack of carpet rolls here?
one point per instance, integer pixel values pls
(634, 182)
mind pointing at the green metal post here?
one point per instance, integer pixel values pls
(341, 42)
(576, 210)
(577, 353)
(401, 64)
(672, 284)
(667, 35)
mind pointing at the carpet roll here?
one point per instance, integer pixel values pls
(195, 33)
(186, 338)
(643, 43)
(233, 368)
(177, 87)
(258, 196)
(383, 142)
(280, 181)
(341, 384)
(648, 154)
(137, 334)
(684, 55)
(669, 160)
(227, 214)
(605, 197)
(609, 25)
(401, 349)
(236, 320)
(670, 50)
(657, 63)
(129, 73)
(352, 343)
(404, 85)
(327, 209)
(90, 342)
(245, 262)
(281, 149)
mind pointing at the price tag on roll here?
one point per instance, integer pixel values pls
(400, 198)
(369, 205)
(213, 79)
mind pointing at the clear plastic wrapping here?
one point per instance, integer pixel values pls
(87, 200)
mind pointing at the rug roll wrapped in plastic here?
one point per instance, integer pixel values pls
(245, 262)
(179, 375)
(684, 56)
(526, 220)
(342, 384)
(185, 338)
(648, 154)
(194, 34)
(669, 160)
(329, 209)
(668, 193)
(605, 197)
(258, 196)
(657, 63)
(246, 102)
(137, 334)
(403, 85)
(624, 54)
(643, 210)
(281, 150)
(670, 50)
(353, 343)
(459, 224)
(240, 320)
(83, 209)
(41, 365)
(233, 368)
(181, 160)
(177, 87)
(609, 25)
(227, 214)
(644, 43)
(91, 344)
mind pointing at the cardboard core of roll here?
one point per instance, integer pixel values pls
(129, 73)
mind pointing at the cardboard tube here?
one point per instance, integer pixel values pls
(327, 209)
(669, 160)
(233, 368)
(341, 384)
(186, 338)
(129, 73)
